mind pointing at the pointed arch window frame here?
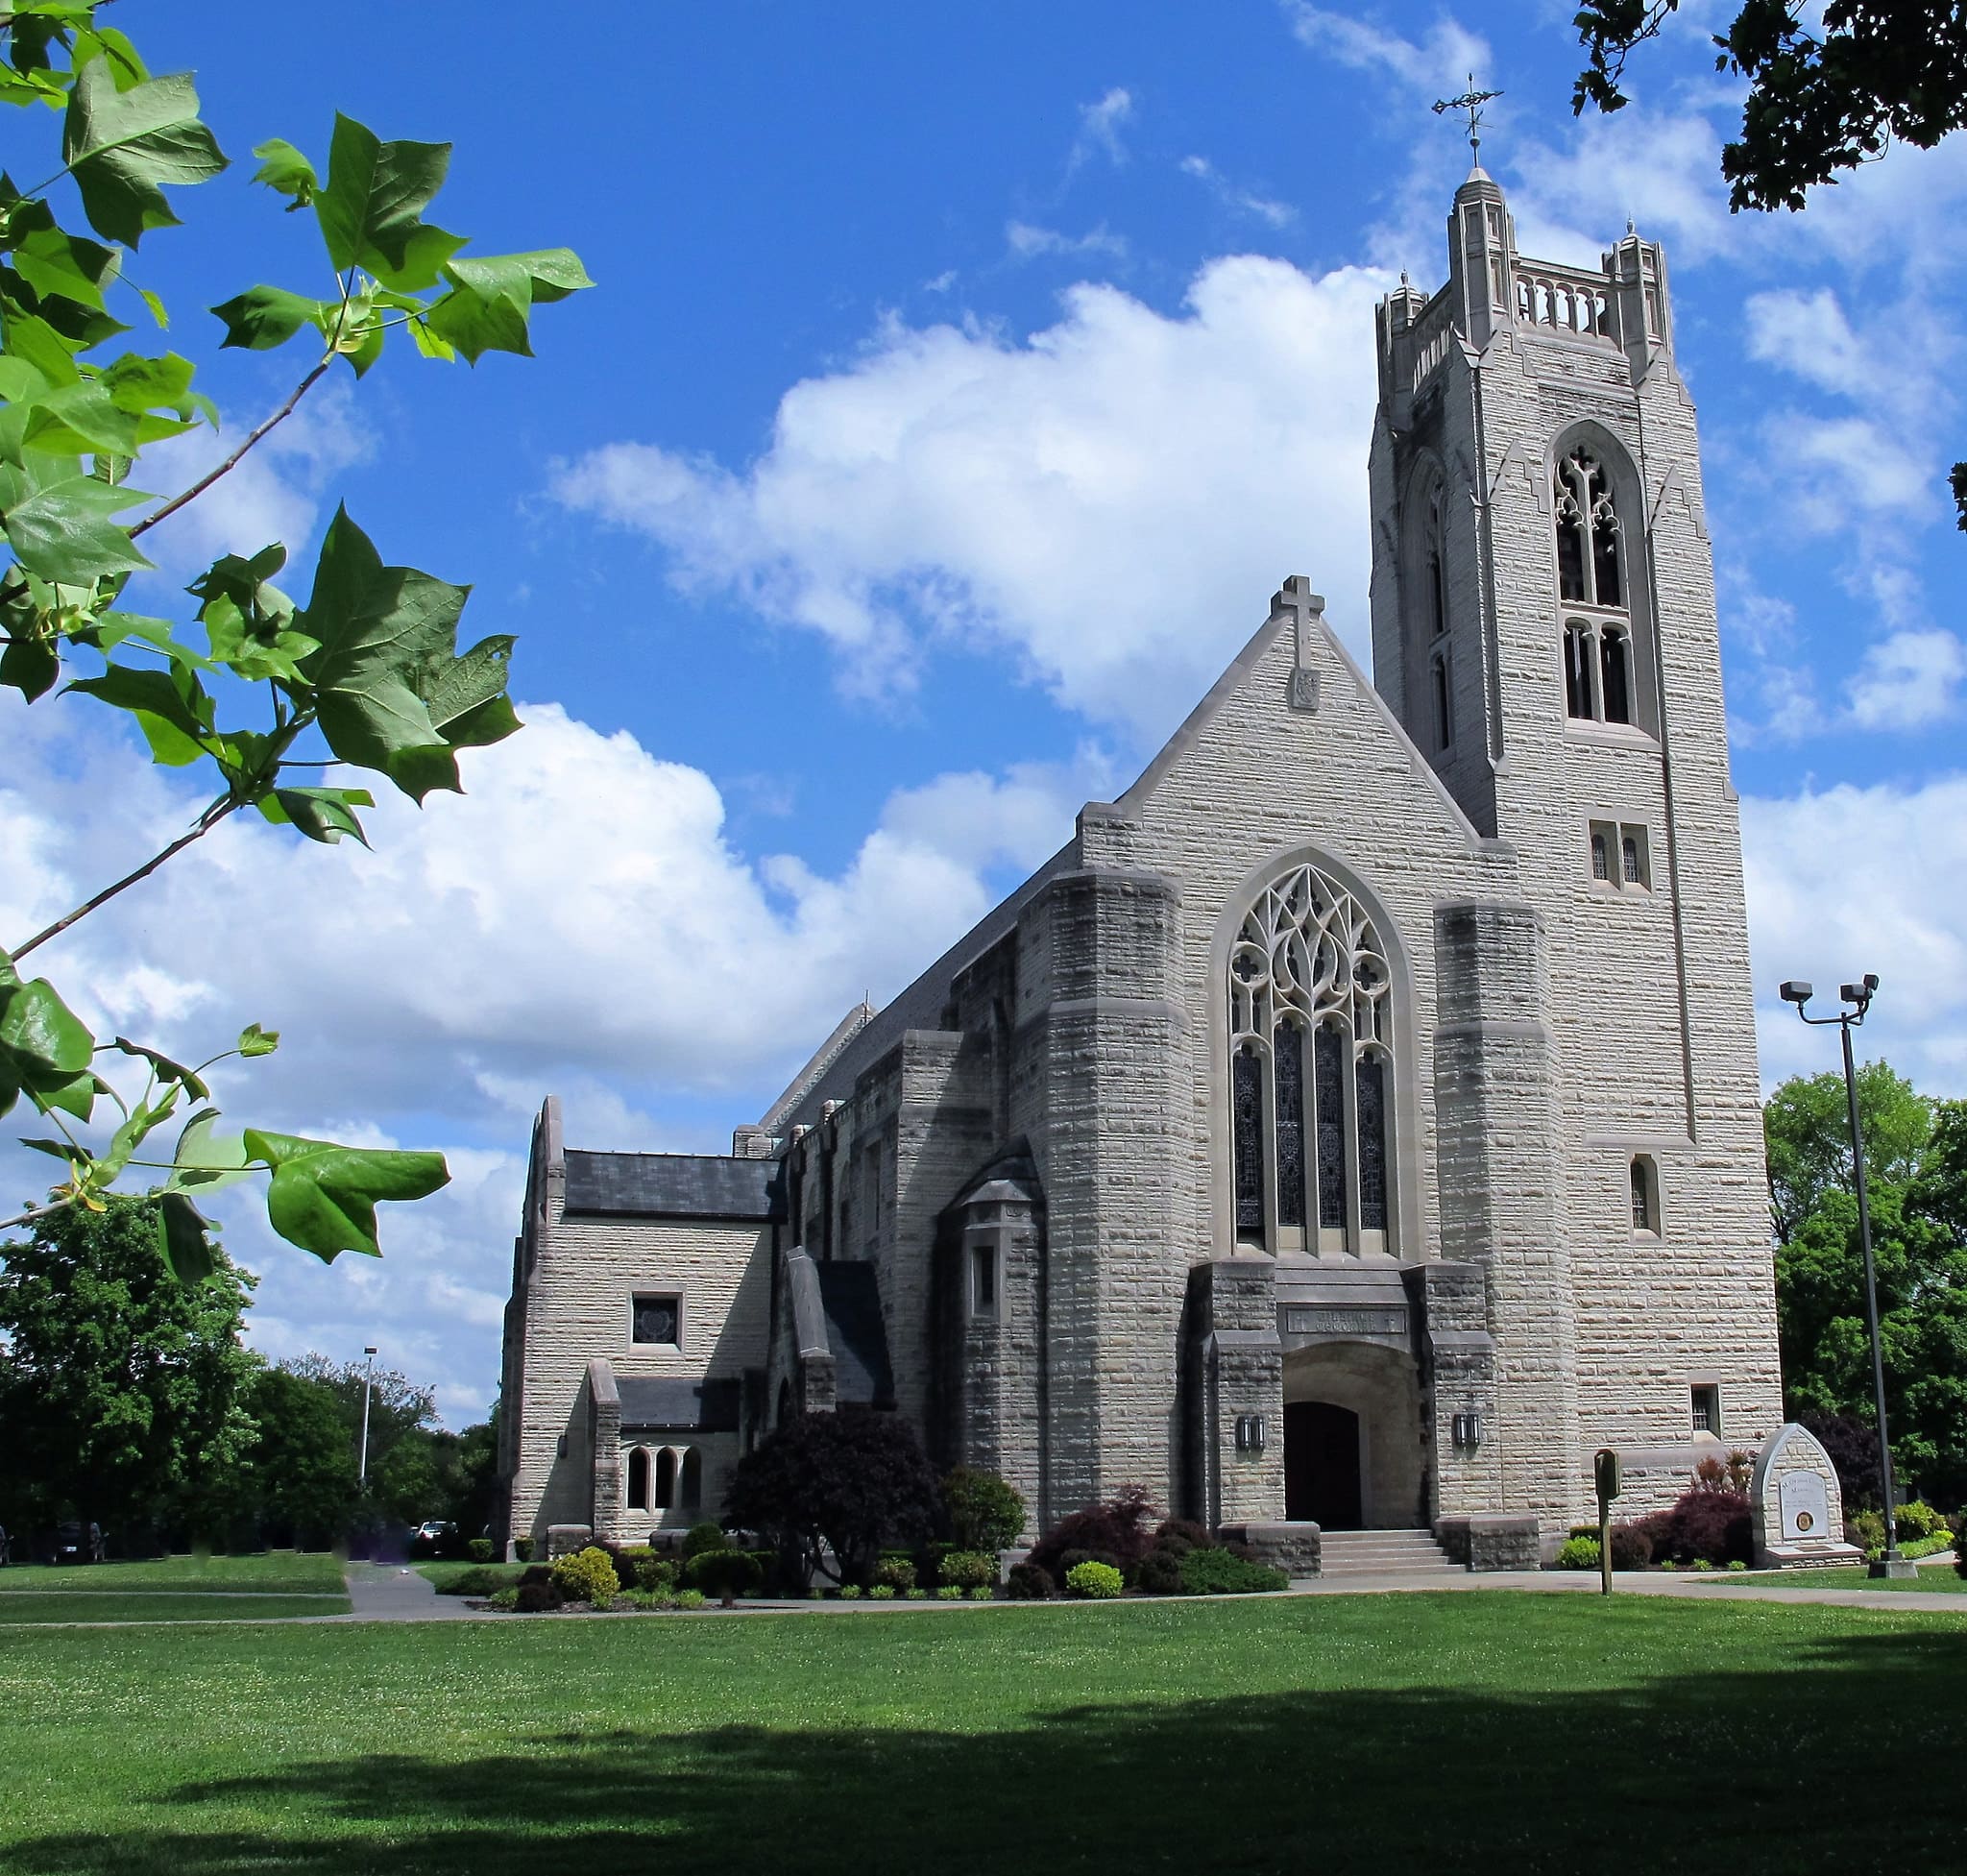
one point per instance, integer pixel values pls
(1308, 969)
(1604, 639)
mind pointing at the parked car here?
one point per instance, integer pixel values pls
(434, 1530)
(77, 1543)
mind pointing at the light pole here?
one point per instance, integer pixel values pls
(362, 1458)
(1859, 997)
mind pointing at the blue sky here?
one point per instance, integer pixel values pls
(956, 388)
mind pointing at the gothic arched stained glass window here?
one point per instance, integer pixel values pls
(1311, 1040)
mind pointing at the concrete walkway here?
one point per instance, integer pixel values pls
(395, 1593)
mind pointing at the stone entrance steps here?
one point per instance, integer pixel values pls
(1384, 1553)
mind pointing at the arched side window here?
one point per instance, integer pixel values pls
(1600, 675)
(1645, 1194)
(1311, 1044)
(666, 1479)
(639, 1479)
(690, 1484)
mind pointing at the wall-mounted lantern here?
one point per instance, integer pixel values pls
(1250, 1432)
(1467, 1431)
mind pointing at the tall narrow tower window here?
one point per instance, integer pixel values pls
(1614, 653)
(1578, 696)
(1444, 706)
(1311, 1037)
(1588, 528)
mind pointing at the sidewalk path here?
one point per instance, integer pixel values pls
(395, 1593)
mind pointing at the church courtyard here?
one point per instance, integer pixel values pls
(1468, 1731)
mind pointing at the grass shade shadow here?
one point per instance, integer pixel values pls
(1478, 1732)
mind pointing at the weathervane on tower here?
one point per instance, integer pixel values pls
(1472, 101)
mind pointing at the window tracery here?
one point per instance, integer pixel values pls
(1600, 677)
(1309, 976)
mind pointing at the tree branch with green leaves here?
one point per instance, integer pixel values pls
(254, 691)
(1880, 72)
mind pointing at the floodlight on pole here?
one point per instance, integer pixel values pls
(1858, 999)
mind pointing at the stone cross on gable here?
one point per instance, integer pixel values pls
(1305, 608)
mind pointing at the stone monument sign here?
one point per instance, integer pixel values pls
(1798, 1505)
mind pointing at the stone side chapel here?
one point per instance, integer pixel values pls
(1353, 1125)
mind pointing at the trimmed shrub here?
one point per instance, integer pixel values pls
(1030, 1582)
(1582, 1530)
(1160, 1572)
(982, 1592)
(473, 1582)
(1094, 1581)
(1071, 1559)
(522, 1548)
(654, 1572)
(1218, 1571)
(849, 1593)
(917, 1594)
(1115, 1533)
(726, 1574)
(1704, 1524)
(706, 1535)
(506, 1599)
(1578, 1554)
(535, 1573)
(897, 1572)
(1631, 1548)
(1183, 1534)
(986, 1513)
(1737, 1564)
(535, 1599)
(882, 1592)
(950, 1593)
(480, 1549)
(1866, 1529)
(690, 1599)
(1918, 1519)
(586, 1576)
(968, 1570)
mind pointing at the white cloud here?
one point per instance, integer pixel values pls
(1100, 127)
(1832, 469)
(1026, 240)
(579, 923)
(1110, 501)
(1808, 335)
(1908, 680)
(1441, 62)
(1278, 215)
(1852, 880)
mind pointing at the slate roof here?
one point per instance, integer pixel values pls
(670, 1185)
(857, 1334)
(673, 1407)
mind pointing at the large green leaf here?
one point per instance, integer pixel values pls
(490, 298)
(387, 635)
(44, 1046)
(324, 1197)
(184, 1239)
(171, 707)
(371, 210)
(55, 263)
(120, 145)
(62, 529)
(323, 815)
(266, 316)
(285, 171)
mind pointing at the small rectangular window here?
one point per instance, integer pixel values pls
(656, 1322)
(1706, 1409)
(1604, 853)
(983, 1280)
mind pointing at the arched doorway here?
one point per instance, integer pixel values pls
(1354, 1455)
(1321, 1469)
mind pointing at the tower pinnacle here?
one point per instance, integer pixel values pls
(1472, 101)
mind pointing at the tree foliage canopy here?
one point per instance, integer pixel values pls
(270, 701)
(1916, 1167)
(850, 1481)
(125, 1396)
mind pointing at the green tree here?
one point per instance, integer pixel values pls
(275, 703)
(297, 1484)
(125, 1396)
(1916, 1166)
(1819, 101)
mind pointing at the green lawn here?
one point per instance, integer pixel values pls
(160, 1606)
(1855, 1577)
(442, 1573)
(1447, 1731)
(288, 1572)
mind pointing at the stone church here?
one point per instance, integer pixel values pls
(1356, 1125)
